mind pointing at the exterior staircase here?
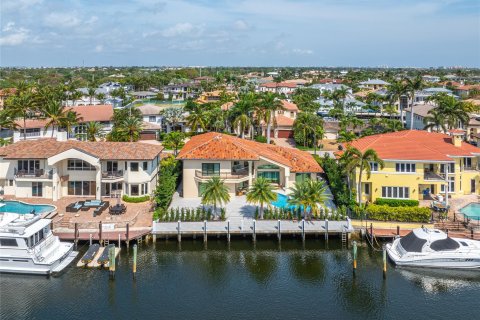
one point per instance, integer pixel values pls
(458, 230)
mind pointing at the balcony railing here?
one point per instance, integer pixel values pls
(112, 174)
(429, 175)
(38, 174)
(238, 174)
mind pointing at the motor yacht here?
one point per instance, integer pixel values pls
(432, 248)
(27, 245)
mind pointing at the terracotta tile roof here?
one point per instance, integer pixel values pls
(290, 106)
(468, 87)
(150, 126)
(105, 150)
(278, 85)
(85, 113)
(149, 109)
(415, 145)
(284, 121)
(218, 146)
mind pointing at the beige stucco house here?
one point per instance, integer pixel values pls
(48, 168)
(238, 162)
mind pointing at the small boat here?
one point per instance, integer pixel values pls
(432, 248)
(90, 254)
(104, 258)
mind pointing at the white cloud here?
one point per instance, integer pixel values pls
(98, 48)
(8, 5)
(12, 35)
(61, 20)
(182, 29)
(302, 51)
(241, 25)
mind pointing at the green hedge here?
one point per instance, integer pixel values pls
(397, 202)
(402, 214)
(135, 199)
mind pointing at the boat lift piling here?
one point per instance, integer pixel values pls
(303, 230)
(76, 235)
(354, 257)
(127, 240)
(111, 254)
(279, 229)
(100, 232)
(326, 230)
(254, 234)
(205, 231)
(384, 262)
(228, 231)
(134, 261)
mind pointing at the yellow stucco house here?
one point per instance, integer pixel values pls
(238, 162)
(419, 164)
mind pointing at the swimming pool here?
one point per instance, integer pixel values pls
(282, 202)
(471, 211)
(24, 208)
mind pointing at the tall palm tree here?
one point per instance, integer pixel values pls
(101, 96)
(357, 159)
(174, 140)
(71, 119)
(270, 104)
(261, 192)
(91, 93)
(5, 142)
(395, 91)
(75, 95)
(130, 127)
(309, 194)
(453, 111)
(20, 106)
(55, 113)
(215, 193)
(197, 118)
(94, 130)
(413, 85)
(435, 120)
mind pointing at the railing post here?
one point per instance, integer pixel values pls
(326, 229)
(303, 229)
(100, 233)
(228, 230)
(254, 234)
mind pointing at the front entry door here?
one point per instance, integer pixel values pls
(472, 186)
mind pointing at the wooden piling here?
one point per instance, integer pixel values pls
(127, 235)
(179, 235)
(384, 262)
(279, 234)
(111, 255)
(254, 234)
(354, 256)
(398, 230)
(371, 233)
(76, 235)
(90, 239)
(134, 261)
(119, 241)
(303, 229)
(100, 233)
(326, 229)
(228, 230)
(205, 231)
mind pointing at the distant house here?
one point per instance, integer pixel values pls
(143, 94)
(152, 121)
(35, 128)
(280, 87)
(284, 120)
(465, 90)
(374, 84)
(5, 94)
(239, 161)
(181, 91)
(429, 78)
(330, 87)
(203, 79)
(420, 112)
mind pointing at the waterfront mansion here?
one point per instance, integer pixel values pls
(419, 165)
(49, 168)
(239, 161)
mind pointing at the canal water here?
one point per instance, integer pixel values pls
(290, 280)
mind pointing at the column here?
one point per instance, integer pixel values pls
(250, 173)
(287, 178)
(98, 180)
(55, 185)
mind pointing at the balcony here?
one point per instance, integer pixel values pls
(429, 175)
(238, 175)
(33, 174)
(112, 175)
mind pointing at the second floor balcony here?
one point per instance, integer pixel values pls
(33, 174)
(239, 174)
(112, 175)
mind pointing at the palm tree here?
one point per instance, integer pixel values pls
(173, 116)
(55, 113)
(394, 93)
(75, 95)
(413, 85)
(453, 111)
(94, 130)
(309, 194)
(91, 93)
(174, 140)
(435, 121)
(5, 142)
(261, 192)
(345, 136)
(355, 159)
(20, 106)
(131, 127)
(197, 118)
(270, 105)
(215, 192)
(71, 119)
(101, 96)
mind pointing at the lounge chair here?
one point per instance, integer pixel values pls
(75, 206)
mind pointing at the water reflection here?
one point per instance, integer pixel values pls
(260, 265)
(441, 281)
(308, 267)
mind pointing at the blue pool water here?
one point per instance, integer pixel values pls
(282, 202)
(24, 208)
(472, 211)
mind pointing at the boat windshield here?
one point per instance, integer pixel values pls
(412, 243)
(444, 244)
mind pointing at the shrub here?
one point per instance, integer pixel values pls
(135, 199)
(401, 214)
(261, 139)
(397, 202)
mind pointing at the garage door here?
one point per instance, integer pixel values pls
(285, 133)
(147, 136)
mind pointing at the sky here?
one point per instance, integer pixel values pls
(349, 33)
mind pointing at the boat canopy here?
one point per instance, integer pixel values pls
(444, 244)
(412, 243)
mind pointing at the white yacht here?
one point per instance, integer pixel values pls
(27, 245)
(432, 248)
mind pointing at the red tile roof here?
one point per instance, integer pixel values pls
(85, 113)
(284, 121)
(415, 145)
(290, 106)
(278, 85)
(105, 150)
(218, 146)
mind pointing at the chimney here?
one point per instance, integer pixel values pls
(457, 137)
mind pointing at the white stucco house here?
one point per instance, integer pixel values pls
(53, 169)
